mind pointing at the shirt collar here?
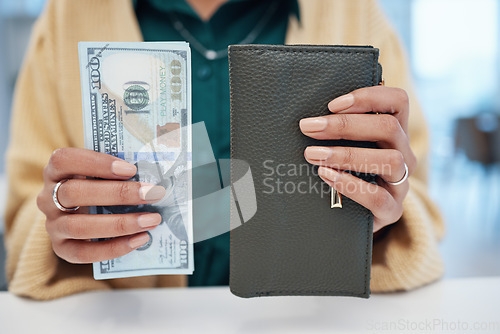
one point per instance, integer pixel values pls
(183, 7)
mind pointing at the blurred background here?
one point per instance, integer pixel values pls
(453, 47)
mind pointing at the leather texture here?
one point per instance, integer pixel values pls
(295, 244)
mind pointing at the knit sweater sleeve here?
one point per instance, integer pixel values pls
(406, 254)
(36, 130)
(47, 116)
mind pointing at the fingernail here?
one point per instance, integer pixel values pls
(314, 124)
(123, 168)
(151, 193)
(318, 153)
(328, 173)
(341, 103)
(138, 240)
(149, 220)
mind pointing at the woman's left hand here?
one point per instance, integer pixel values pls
(353, 118)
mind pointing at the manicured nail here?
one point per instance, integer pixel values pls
(318, 153)
(149, 220)
(313, 124)
(151, 193)
(138, 240)
(123, 168)
(328, 173)
(341, 103)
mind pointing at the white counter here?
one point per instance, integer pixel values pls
(449, 306)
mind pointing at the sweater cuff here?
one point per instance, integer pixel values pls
(408, 256)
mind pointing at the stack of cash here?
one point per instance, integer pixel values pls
(137, 106)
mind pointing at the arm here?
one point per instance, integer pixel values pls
(405, 254)
(35, 229)
(36, 130)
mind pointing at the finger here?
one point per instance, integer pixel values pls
(399, 191)
(364, 127)
(101, 192)
(80, 251)
(67, 162)
(377, 99)
(388, 164)
(81, 226)
(386, 210)
(383, 129)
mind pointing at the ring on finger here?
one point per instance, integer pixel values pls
(403, 179)
(56, 199)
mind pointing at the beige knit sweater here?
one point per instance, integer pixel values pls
(47, 116)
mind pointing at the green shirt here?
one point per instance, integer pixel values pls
(231, 24)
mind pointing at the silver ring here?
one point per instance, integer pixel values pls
(56, 200)
(403, 179)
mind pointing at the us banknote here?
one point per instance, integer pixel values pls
(137, 106)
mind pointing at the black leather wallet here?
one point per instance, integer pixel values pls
(295, 244)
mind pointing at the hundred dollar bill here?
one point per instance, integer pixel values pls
(137, 106)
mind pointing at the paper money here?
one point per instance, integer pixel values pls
(137, 106)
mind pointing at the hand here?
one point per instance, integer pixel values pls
(389, 129)
(70, 233)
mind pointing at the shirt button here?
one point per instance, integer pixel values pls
(205, 72)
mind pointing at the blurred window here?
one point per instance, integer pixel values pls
(21, 7)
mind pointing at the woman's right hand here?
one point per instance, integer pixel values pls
(70, 232)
